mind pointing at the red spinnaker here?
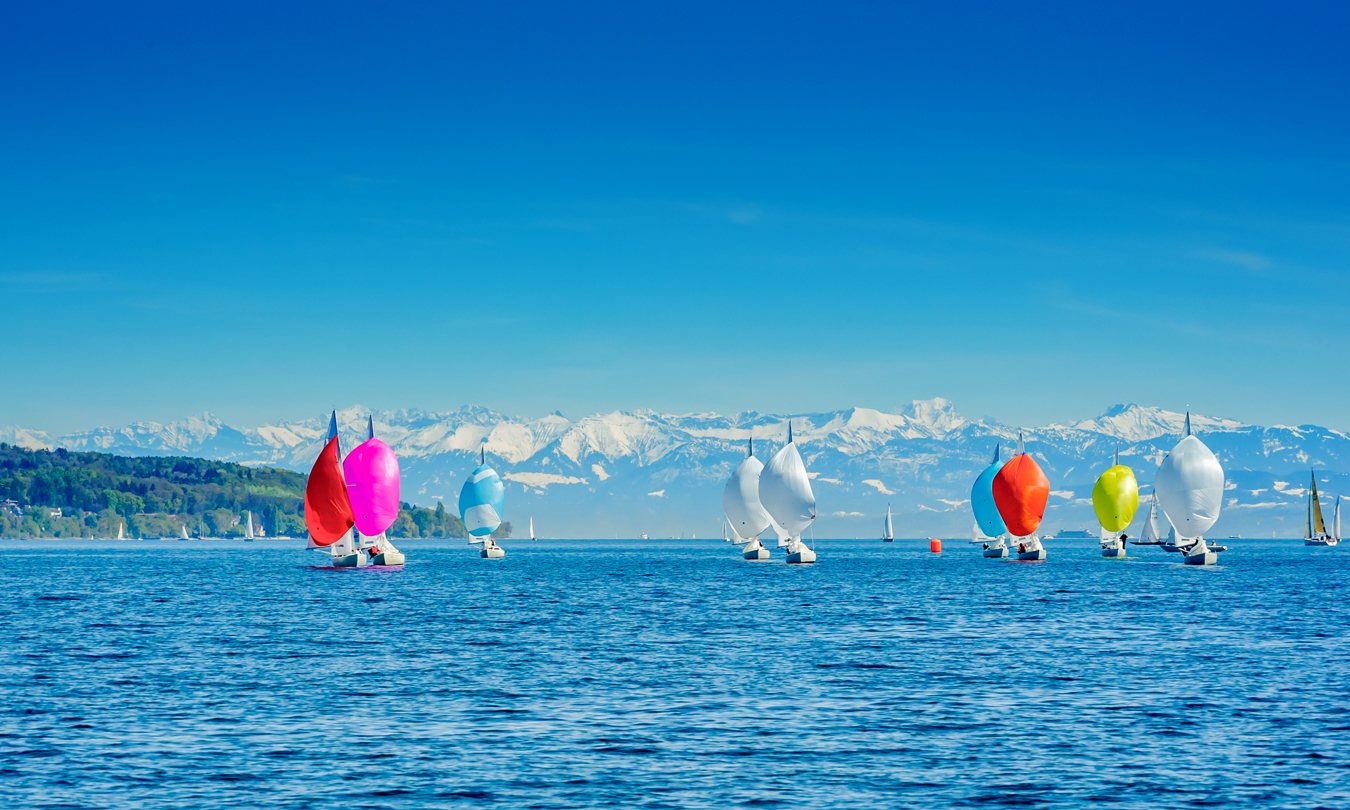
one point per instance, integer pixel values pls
(328, 509)
(1020, 493)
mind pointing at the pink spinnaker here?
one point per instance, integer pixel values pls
(371, 471)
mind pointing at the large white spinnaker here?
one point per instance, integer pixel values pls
(1189, 487)
(785, 492)
(740, 499)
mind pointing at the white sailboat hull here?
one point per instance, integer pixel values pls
(1202, 558)
(755, 550)
(357, 560)
(1116, 551)
(800, 556)
(1030, 548)
(389, 558)
(1321, 541)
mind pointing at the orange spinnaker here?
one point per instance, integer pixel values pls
(1020, 493)
(328, 509)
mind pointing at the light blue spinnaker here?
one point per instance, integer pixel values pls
(482, 501)
(982, 500)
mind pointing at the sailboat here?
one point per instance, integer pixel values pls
(248, 530)
(1115, 499)
(532, 537)
(1315, 531)
(1189, 485)
(1336, 521)
(1020, 492)
(373, 478)
(990, 530)
(888, 531)
(119, 531)
(185, 534)
(745, 513)
(482, 501)
(785, 492)
(1152, 531)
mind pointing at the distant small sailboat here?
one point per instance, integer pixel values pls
(1152, 531)
(1189, 485)
(1115, 499)
(248, 530)
(643, 536)
(532, 537)
(482, 501)
(1315, 531)
(990, 531)
(1020, 492)
(119, 531)
(740, 502)
(785, 492)
(185, 534)
(888, 531)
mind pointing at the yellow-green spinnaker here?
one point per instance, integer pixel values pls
(1115, 498)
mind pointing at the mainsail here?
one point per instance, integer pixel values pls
(889, 530)
(982, 500)
(1189, 486)
(248, 529)
(740, 498)
(372, 477)
(1020, 493)
(785, 490)
(482, 501)
(1315, 528)
(328, 510)
(1336, 520)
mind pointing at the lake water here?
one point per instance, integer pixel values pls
(661, 674)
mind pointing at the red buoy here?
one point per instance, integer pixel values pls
(935, 545)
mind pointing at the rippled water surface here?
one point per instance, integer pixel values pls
(644, 674)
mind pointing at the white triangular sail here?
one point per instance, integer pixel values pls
(1152, 531)
(741, 499)
(532, 537)
(1189, 486)
(248, 531)
(119, 531)
(184, 528)
(890, 529)
(1336, 520)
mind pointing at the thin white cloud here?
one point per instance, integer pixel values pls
(873, 482)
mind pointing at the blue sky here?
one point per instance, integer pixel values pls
(268, 212)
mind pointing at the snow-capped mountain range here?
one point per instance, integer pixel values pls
(624, 473)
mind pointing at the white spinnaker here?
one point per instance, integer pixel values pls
(785, 491)
(740, 500)
(1189, 487)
